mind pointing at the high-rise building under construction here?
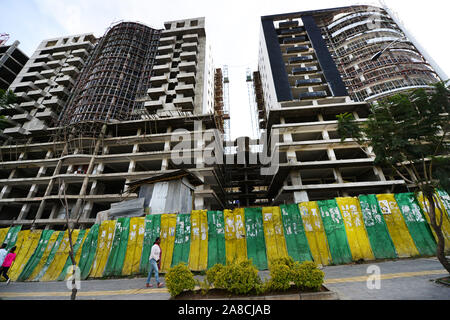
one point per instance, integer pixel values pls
(96, 117)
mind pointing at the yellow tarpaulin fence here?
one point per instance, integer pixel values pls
(44, 257)
(273, 231)
(168, 225)
(403, 242)
(235, 242)
(25, 249)
(134, 246)
(445, 223)
(198, 253)
(3, 233)
(357, 237)
(315, 233)
(106, 235)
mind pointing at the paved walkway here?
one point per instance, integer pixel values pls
(399, 280)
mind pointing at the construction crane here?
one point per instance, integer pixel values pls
(4, 37)
(252, 105)
(226, 103)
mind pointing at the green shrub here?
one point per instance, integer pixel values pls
(286, 261)
(280, 277)
(239, 278)
(212, 272)
(307, 276)
(179, 278)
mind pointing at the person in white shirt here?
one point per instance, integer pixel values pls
(155, 259)
(3, 253)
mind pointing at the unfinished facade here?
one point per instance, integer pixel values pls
(100, 113)
(12, 60)
(314, 66)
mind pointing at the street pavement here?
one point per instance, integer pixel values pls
(406, 279)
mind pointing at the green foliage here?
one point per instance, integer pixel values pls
(280, 277)
(307, 276)
(238, 278)
(179, 278)
(212, 272)
(406, 132)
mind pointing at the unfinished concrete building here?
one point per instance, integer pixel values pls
(12, 60)
(100, 113)
(314, 66)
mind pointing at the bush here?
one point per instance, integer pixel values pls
(211, 274)
(280, 277)
(179, 278)
(239, 278)
(307, 276)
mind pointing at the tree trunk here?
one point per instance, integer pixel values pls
(440, 250)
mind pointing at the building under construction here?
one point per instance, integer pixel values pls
(96, 118)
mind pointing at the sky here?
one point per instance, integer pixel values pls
(232, 28)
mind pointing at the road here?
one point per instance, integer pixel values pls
(410, 279)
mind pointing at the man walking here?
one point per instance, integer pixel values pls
(155, 263)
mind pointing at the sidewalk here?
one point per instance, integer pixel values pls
(400, 280)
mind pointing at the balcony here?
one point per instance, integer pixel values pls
(189, 46)
(48, 73)
(70, 71)
(53, 103)
(38, 66)
(60, 91)
(163, 58)
(300, 59)
(44, 58)
(307, 82)
(15, 132)
(165, 49)
(76, 61)
(81, 53)
(161, 68)
(186, 89)
(36, 94)
(188, 66)
(288, 24)
(21, 118)
(186, 77)
(32, 76)
(41, 84)
(155, 93)
(294, 40)
(190, 38)
(152, 106)
(46, 115)
(158, 80)
(55, 64)
(312, 95)
(60, 55)
(30, 105)
(24, 86)
(186, 104)
(167, 41)
(188, 56)
(65, 81)
(22, 97)
(292, 31)
(303, 70)
(297, 49)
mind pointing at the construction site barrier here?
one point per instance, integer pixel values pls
(337, 231)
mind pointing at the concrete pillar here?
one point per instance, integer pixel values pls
(165, 161)
(299, 196)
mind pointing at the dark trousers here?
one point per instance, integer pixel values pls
(3, 272)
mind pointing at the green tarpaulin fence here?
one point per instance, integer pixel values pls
(335, 231)
(182, 239)
(294, 233)
(36, 256)
(76, 247)
(416, 223)
(11, 237)
(216, 238)
(152, 231)
(115, 258)
(88, 252)
(380, 240)
(256, 245)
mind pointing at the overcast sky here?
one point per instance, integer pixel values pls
(232, 28)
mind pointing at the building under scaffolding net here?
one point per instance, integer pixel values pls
(116, 75)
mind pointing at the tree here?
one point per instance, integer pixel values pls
(409, 133)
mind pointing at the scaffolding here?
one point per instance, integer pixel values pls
(252, 105)
(226, 103)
